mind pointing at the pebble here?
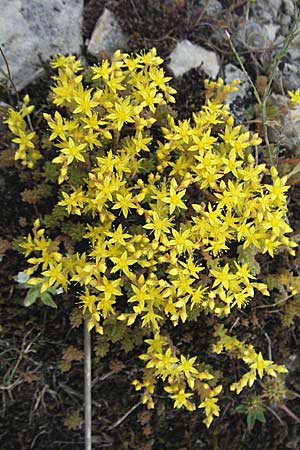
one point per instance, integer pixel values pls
(288, 7)
(34, 30)
(235, 99)
(285, 19)
(213, 7)
(107, 35)
(288, 133)
(266, 9)
(255, 35)
(186, 56)
(291, 75)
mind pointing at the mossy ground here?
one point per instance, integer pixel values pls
(39, 397)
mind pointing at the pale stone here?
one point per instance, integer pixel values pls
(257, 35)
(21, 278)
(266, 9)
(187, 56)
(237, 100)
(271, 31)
(213, 7)
(35, 30)
(291, 75)
(107, 35)
(288, 7)
(288, 130)
(234, 73)
(285, 20)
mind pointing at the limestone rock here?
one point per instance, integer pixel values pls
(288, 7)
(107, 34)
(271, 31)
(288, 130)
(232, 72)
(31, 30)
(291, 74)
(186, 56)
(255, 35)
(267, 10)
(237, 100)
(213, 7)
(285, 20)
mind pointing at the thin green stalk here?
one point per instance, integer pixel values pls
(287, 42)
(256, 93)
(262, 101)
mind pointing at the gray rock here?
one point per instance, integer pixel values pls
(294, 55)
(251, 35)
(294, 119)
(266, 9)
(285, 19)
(288, 131)
(107, 34)
(292, 363)
(21, 278)
(31, 30)
(256, 35)
(186, 56)
(288, 6)
(274, 5)
(291, 75)
(237, 100)
(232, 72)
(271, 30)
(213, 7)
(296, 40)
(4, 106)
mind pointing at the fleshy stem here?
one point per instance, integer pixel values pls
(87, 388)
(289, 412)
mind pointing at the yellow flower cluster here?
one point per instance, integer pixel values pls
(239, 349)
(164, 206)
(122, 91)
(16, 122)
(178, 375)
